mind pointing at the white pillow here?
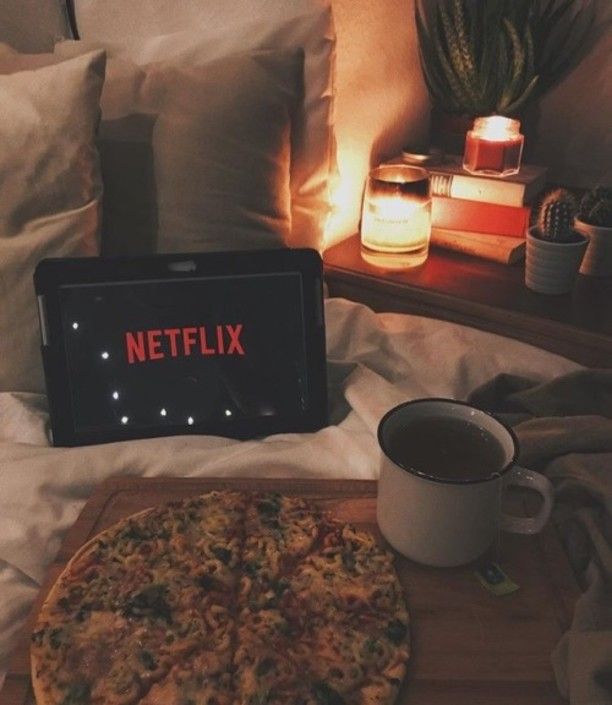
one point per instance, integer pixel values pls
(50, 191)
(197, 158)
(197, 31)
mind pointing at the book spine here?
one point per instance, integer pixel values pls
(474, 188)
(503, 249)
(475, 216)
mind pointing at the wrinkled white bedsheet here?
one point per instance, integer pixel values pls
(375, 361)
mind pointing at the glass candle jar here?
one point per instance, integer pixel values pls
(493, 146)
(396, 217)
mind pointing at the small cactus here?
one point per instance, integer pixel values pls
(556, 216)
(596, 207)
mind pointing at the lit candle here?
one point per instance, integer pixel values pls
(493, 146)
(396, 217)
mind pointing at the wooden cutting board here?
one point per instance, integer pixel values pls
(468, 647)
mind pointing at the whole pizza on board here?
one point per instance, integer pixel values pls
(226, 598)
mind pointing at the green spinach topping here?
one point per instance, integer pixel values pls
(269, 507)
(223, 554)
(147, 660)
(78, 693)
(396, 631)
(265, 666)
(149, 602)
(326, 695)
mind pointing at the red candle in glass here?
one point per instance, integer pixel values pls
(493, 146)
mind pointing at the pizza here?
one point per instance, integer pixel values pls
(223, 599)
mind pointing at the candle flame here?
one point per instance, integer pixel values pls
(496, 128)
(399, 207)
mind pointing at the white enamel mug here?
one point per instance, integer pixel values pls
(449, 522)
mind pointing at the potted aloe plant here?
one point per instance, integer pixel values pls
(594, 220)
(554, 248)
(484, 57)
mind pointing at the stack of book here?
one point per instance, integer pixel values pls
(483, 216)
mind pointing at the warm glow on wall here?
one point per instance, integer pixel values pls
(381, 102)
(346, 195)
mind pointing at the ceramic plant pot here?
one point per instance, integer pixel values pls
(551, 267)
(597, 260)
(448, 131)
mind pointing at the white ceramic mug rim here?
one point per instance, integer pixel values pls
(444, 480)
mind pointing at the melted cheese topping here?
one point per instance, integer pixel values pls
(221, 599)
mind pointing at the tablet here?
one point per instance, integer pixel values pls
(229, 344)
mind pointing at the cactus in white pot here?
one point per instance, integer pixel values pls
(555, 221)
(554, 248)
(594, 220)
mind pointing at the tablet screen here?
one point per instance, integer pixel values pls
(158, 352)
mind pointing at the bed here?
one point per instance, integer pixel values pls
(311, 162)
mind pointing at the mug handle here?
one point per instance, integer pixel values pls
(522, 477)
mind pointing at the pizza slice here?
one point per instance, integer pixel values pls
(279, 532)
(347, 597)
(138, 600)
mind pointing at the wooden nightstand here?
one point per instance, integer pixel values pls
(484, 295)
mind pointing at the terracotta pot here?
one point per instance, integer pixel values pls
(551, 267)
(597, 260)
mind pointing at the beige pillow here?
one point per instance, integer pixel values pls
(193, 32)
(197, 158)
(50, 191)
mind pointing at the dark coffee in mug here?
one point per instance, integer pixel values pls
(444, 467)
(447, 448)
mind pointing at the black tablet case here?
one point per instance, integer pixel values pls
(229, 344)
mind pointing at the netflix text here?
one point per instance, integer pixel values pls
(157, 344)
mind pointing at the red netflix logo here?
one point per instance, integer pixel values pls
(146, 345)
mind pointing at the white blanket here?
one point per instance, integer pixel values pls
(375, 361)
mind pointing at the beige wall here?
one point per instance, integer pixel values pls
(382, 103)
(575, 121)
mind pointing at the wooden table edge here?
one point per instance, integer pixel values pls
(471, 310)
